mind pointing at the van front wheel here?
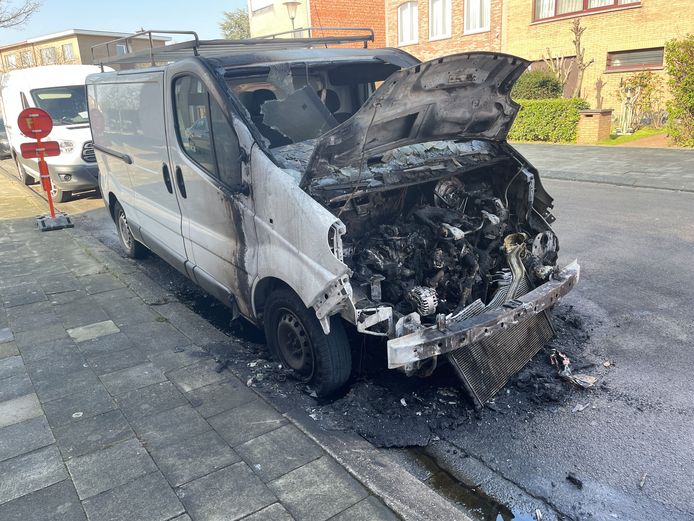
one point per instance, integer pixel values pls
(296, 338)
(133, 248)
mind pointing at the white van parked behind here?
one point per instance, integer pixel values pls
(274, 174)
(60, 91)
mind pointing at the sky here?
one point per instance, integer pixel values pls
(202, 16)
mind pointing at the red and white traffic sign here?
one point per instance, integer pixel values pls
(35, 123)
(34, 150)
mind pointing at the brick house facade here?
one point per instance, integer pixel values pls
(623, 37)
(269, 17)
(459, 37)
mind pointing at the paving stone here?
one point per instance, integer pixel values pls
(150, 400)
(97, 432)
(80, 313)
(92, 331)
(219, 397)
(22, 295)
(79, 406)
(370, 509)
(59, 387)
(106, 344)
(100, 283)
(110, 467)
(6, 335)
(246, 422)
(155, 336)
(8, 349)
(109, 362)
(184, 517)
(39, 336)
(278, 452)
(20, 438)
(126, 311)
(229, 494)
(56, 348)
(171, 359)
(275, 512)
(19, 409)
(148, 498)
(11, 366)
(58, 367)
(68, 297)
(142, 375)
(29, 472)
(59, 284)
(31, 317)
(318, 491)
(57, 502)
(185, 460)
(194, 376)
(168, 426)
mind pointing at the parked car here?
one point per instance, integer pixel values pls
(4, 143)
(60, 90)
(413, 219)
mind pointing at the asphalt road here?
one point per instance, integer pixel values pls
(632, 446)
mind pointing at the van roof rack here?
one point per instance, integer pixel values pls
(198, 47)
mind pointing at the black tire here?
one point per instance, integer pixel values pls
(58, 195)
(295, 337)
(24, 177)
(132, 248)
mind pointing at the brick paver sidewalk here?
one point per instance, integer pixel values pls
(109, 407)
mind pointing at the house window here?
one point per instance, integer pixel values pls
(552, 8)
(68, 51)
(635, 60)
(408, 23)
(439, 19)
(121, 49)
(27, 58)
(477, 16)
(48, 56)
(11, 61)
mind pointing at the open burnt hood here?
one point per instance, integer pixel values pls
(459, 96)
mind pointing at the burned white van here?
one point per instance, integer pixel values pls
(277, 176)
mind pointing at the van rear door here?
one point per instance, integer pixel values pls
(133, 127)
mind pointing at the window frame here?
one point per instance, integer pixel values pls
(30, 61)
(70, 46)
(214, 176)
(585, 10)
(55, 55)
(11, 61)
(486, 29)
(414, 8)
(634, 68)
(448, 22)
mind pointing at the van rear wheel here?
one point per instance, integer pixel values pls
(133, 248)
(296, 338)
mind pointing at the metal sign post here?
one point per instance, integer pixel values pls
(37, 124)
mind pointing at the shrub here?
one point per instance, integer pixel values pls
(679, 64)
(648, 109)
(552, 120)
(539, 84)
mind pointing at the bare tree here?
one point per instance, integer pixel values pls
(11, 16)
(558, 66)
(581, 64)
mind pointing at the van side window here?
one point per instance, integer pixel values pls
(204, 132)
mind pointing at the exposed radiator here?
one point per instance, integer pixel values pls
(486, 366)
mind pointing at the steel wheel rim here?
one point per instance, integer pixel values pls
(125, 234)
(294, 344)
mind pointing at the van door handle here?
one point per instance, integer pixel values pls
(180, 183)
(167, 177)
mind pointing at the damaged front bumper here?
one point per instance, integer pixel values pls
(444, 338)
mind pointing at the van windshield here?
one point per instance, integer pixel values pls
(66, 105)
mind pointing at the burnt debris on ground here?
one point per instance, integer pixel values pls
(391, 410)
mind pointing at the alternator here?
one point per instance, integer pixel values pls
(425, 300)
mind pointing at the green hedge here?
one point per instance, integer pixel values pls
(539, 84)
(679, 63)
(551, 120)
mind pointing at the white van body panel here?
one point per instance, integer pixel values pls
(16, 89)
